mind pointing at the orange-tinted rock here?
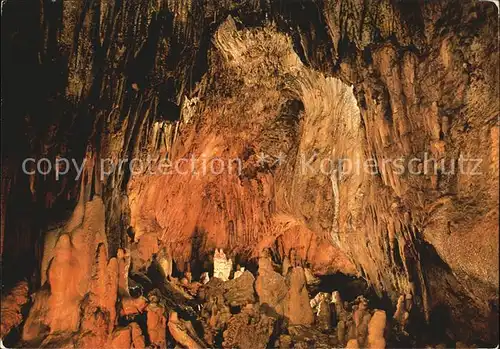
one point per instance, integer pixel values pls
(142, 252)
(324, 316)
(104, 285)
(123, 258)
(376, 329)
(133, 306)
(240, 291)
(64, 276)
(121, 338)
(36, 325)
(352, 344)
(79, 267)
(157, 324)
(248, 330)
(184, 333)
(138, 341)
(95, 327)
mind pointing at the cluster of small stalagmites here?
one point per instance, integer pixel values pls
(278, 295)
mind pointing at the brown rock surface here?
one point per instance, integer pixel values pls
(248, 330)
(183, 333)
(353, 79)
(11, 307)
(376, 328)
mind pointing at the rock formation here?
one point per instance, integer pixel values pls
(324, 315)
(248, 329)
(165, 261)
(156, 322)
(222, 265)
(204, 278)
(402, 313)
(297, 308)
(270, 286)
(83, 286)
(123, 258)
(239, 271)
(11, 307)
(376, 329)
(286, 98)
(183, 332)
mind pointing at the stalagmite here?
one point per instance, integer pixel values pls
(222, 265)
(324, 316)
(165, 261)
(361, 318)
(137, 336)
(270, 286)
(317, 299)
(64, 275)
(104, 286)
(297, 309)
(341, 331)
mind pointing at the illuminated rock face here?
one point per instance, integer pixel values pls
(388, 227)
(222, 265)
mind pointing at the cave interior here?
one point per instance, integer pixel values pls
(193, 173)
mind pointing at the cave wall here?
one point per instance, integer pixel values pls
(94, 79)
